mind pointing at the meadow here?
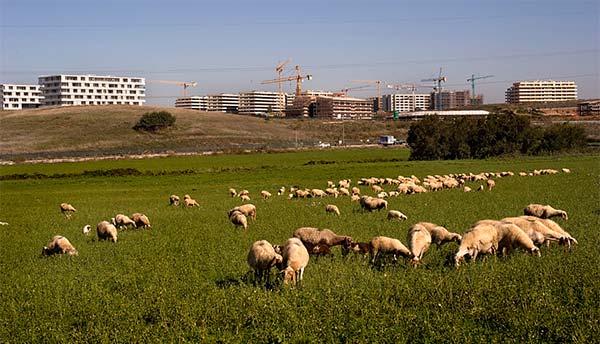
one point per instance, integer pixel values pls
(186, 279)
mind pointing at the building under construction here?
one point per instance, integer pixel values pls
(455, 99)
(330, 106)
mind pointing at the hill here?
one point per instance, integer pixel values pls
(94, 130)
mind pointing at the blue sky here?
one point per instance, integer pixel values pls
(231, 46)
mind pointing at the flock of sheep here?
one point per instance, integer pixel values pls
(526, 232)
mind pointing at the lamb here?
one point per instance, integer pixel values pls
(362, 248)
(174, 200)
(395, 214)
(141, 220)
(246, 209)
(265, 194)
(385, 245)
(189, 201)
(321, 250)
(59, 245)
(330, 208)
(232, 192)
(121, 220)
(261, 258)
(238, 219)
(544, 211)
(490, 183)
(106, 231)
(311, 236)
(295, 258)
(369, 203)
(67, 210)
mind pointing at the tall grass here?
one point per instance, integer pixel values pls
(186, 279)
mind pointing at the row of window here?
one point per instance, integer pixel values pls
(24, 94)
(21, 88)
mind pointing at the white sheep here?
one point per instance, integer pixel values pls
(174, 200)
(67, 210)
(189, 201)
(490, 183)
(232, 192)
(370, 203)
(384, 245)
(265, 194)
(86, 229)
(59, 245)
(544, 211)
(246, 209)
(106, 231)
(295, 259)
(311, 237)
(480, 238)
(511, 237)
(141, 220)
(238, 218)
(245, 198)
(566, 170)
(557, 228)
(419, 242)
(395, 214)
(121, 221)
(281, 191)
(261, 258)
(330, 208)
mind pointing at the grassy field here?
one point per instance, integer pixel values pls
(187, 279)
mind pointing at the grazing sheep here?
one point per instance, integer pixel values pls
(384, 245)
(566, 170)
(121, 220)
(59, 245)
(86, 229)
(265, 194)
(67, 210)
(238, 219)
(318, 193)
(369, 203)
(555, 227)
(523, 174)
(419, 240)
(480, 238)
(544, 211)
(295, 258)
(174, 200)
(395, 214)
(281, 191)
(332, 192)
(106, 231)
(490, 183)
(376, 189)
(330, 208)
(246, 209)
(344, 192)
(536, 230)
(232, 192)
(261, 258)
(511, 237)
(244, 193)
(141, 220)
(189, 201)
(245, 198)
(355, 190)
(354, 198)
(311, 237)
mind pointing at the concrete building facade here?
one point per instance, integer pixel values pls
(259, 103)
(199, 103)
(541, 91)
(343, 108)
(403, 102)
(18, 97)
(454, 99)
(223, 102)
(69, 90)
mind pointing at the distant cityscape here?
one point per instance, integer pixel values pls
(73, 90)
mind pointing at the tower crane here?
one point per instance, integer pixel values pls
(472, 80)
(279, 70)
(298, 78)
(346, 89)
(185, 84)
(378, 82)
(438, 88)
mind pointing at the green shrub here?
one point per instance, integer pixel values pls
(154, 121)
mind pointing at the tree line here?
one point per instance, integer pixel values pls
(434, 138)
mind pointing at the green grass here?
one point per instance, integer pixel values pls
(187, 279)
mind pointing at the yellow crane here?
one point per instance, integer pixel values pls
(378, 82)
(279, 70)
(298, 78)
(346, 89)
(185, 84)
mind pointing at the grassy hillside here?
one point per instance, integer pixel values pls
(186, 279)
(98, 130)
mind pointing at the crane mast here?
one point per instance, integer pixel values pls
(438, 88)
(472, 80)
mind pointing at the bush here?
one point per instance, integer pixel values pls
(503, 133)
(154, 121)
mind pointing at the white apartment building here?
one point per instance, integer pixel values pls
(199, 103)
(68, 90)
(402, 102)
(541, 91)
(259, 103)
(223, 102)
(18, 97)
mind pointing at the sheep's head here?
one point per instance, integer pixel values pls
(535, 251)
(86, 229)
(456, 237)
(564, 215)
(45, 251)
(113, 221)
(289, 275)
